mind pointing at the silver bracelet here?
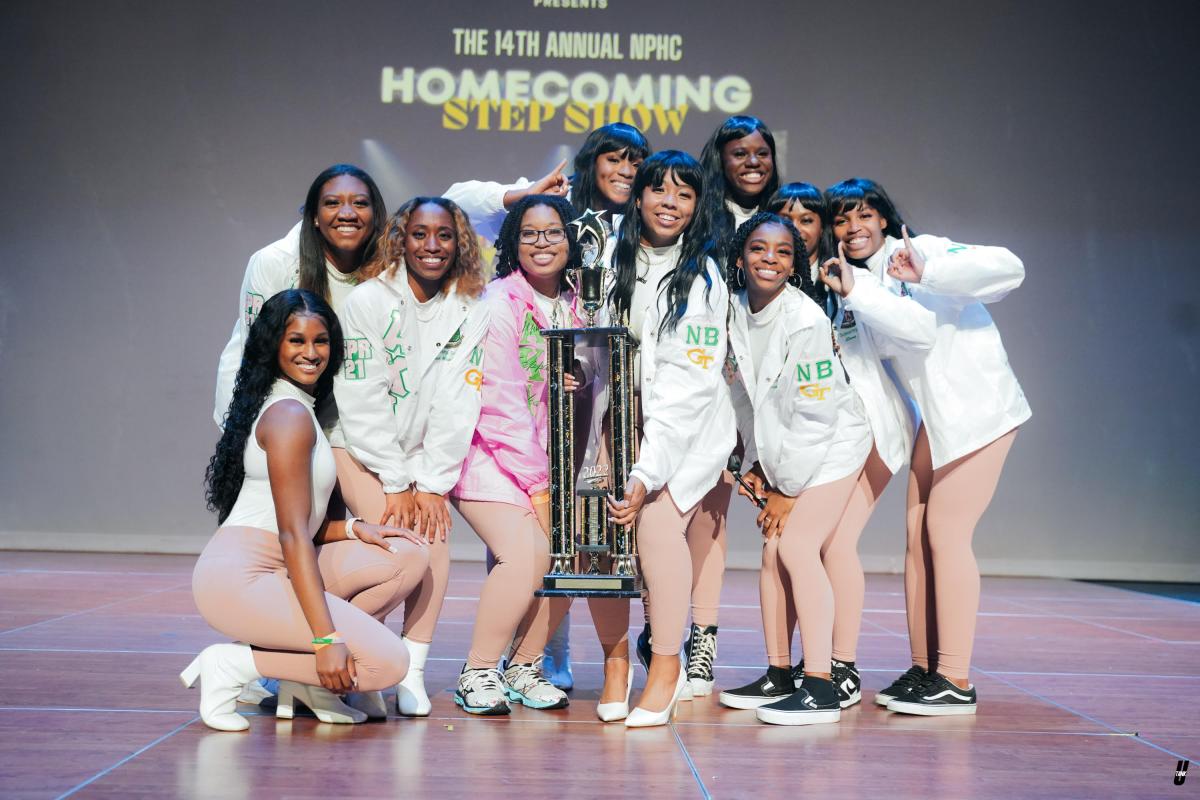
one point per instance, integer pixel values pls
(350, 527)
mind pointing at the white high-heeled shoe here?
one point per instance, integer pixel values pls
(326, 705)
(222, 669)
(411, 699)
(370, 703)
(642, 718)
(614, 712)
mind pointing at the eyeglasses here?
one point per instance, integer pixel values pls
(553, 236)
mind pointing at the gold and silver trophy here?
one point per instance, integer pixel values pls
(590, 556)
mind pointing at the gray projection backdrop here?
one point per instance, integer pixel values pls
(150, 148)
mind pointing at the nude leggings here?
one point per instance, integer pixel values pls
(810, 527)
(944, 506)
(241, 588)
(666, 568)
(363, 494)
(839, 554)
(508, 611)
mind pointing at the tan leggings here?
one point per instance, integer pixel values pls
(241, 588)
(944, 506)
(508, 611)
(839, 554)
(666, 568)
(363, 494)
(810, 528)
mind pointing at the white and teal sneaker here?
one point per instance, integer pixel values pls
(481, 691)
(526, 685)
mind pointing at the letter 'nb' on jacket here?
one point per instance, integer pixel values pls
(507, 461)
(963, 385)
(797, 415)
(408, 391)
(688, 425)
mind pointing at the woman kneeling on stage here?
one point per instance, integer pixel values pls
(299, 592)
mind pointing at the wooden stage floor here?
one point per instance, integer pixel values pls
(1085, 691)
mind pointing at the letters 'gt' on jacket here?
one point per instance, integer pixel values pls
(797, 415)
(688, 428)
(507, 460)
(963, 385)
(406, 421)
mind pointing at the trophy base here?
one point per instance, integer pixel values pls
(590, 586)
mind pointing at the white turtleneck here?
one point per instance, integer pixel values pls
(653, 264)
(763, 327)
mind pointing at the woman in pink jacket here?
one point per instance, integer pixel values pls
(504, 489)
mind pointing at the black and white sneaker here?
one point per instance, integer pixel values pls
(902, 685)
(816, 701)
(701, 653)
(775, 685)
(936, 697)
(847, 682)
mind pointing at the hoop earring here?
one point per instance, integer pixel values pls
(739, 278)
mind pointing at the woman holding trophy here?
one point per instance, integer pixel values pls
(671, 294)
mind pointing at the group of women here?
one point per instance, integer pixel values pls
(810, 332)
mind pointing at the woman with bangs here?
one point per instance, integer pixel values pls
(947, 354)
(408, 393)
(669, 292)
(805, 206)
(741, 172)
(604, 169)
(886, 408)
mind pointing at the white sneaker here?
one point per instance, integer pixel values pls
(411, 699)
(527, 686)
(223, 671)
(481, 691)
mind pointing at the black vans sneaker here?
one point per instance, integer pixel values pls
(775, 685)
(902, 685)
(847, 683)
(814, 702)
(798, 673)
(936, 697)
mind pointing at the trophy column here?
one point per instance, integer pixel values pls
(560, 355)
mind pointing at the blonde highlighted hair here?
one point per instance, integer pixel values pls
(465, 276)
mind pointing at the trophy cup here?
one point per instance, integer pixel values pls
(589, 555)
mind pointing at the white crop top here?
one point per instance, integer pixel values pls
(255, 507)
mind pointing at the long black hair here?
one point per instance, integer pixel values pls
(736, 127)
(255, 377)
(800, 277)
(616, 137)
(857, 192)
(697, 239)
(312, 246)
(809, 197)
(508, 242)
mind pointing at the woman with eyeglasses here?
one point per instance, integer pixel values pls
(504, 490)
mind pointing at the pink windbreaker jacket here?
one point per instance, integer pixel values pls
(507, 460)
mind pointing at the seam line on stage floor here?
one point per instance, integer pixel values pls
(97, 608)
(126, 759)
(691, 764)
